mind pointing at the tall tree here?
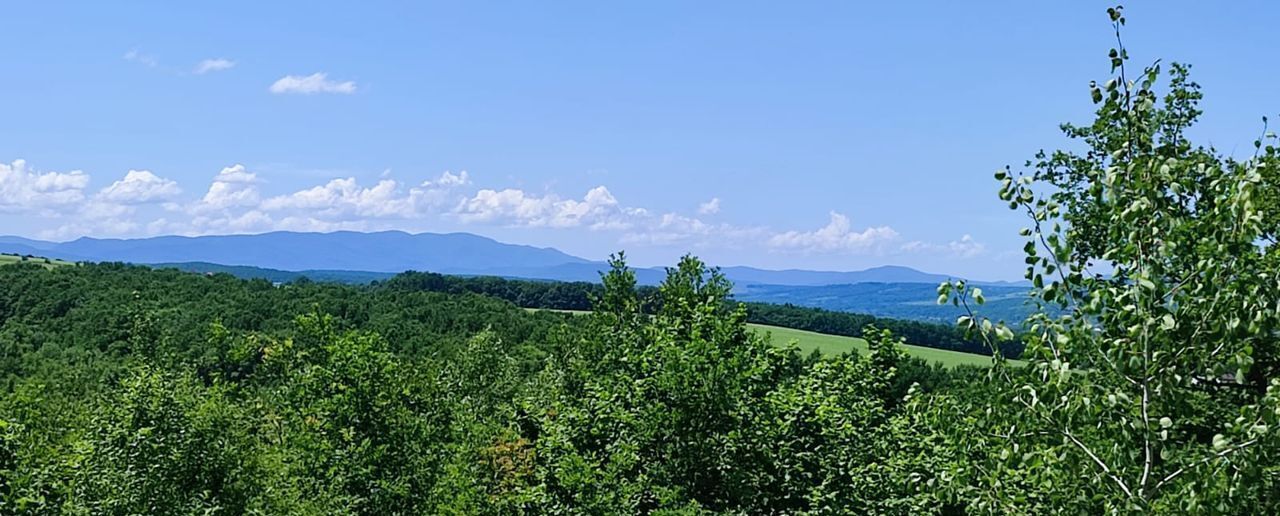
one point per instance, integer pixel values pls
(1159, 378)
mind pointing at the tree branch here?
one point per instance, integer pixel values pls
(1120, 482)
(1200, 462)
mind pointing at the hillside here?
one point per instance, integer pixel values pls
(835, 345)
(808, 341)
(6, 259)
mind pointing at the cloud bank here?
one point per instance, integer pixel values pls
(144, 203)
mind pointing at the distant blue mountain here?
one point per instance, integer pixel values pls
(390, 251)
(884, 274)
(918, 301)
(13, 242)
(588, 271)
(353, 254)
(21, 249)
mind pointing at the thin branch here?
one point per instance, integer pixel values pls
(1120, 482)
(1200, 462)
(1146, 433)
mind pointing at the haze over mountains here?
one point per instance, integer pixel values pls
(395, 251)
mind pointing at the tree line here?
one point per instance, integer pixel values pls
(579, 295)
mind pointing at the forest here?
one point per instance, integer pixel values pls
(1148, 380)
(132, 390)
(578, 296)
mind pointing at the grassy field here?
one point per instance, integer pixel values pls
(831, 345)
(808, 341)
(6, 259)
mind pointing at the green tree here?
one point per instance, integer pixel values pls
(1156, 388)
(165, 445)
(358, 431)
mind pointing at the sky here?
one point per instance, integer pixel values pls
(816, 135)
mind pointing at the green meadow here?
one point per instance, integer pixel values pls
(834, 345)
(831, 345)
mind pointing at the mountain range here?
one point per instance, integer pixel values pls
(368, 255)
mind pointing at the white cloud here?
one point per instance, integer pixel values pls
(140, 186)
(137, 57)
(61, 198)
(236, 174)
(233, 204)
(346, 197)
(22, 189)
(837, 235)
(213, 65)
(232, 187)
(511, 204)
(597, 210)
(711, 207)
(315, 83)
(449, 180)
(966, 247)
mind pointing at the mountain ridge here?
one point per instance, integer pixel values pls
(389, 252)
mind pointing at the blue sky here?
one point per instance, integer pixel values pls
(832, 135)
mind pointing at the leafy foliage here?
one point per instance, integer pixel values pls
(1159, 378)
(132, 390)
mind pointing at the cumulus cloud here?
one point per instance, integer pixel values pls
(711, 207)
(966, 247)
(233, 186)
(140, 186)
(346, 197)
(837, 235)
(315, 83)
(213, 65)
(598, 209)
(23, 189)
(233, 203)
(449, 180)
